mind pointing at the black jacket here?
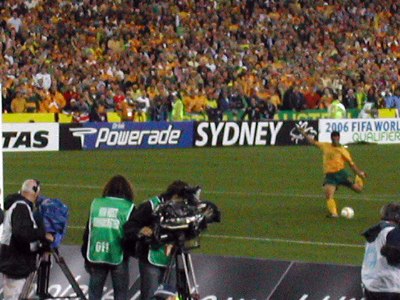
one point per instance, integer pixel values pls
(141, 217)
(17, 258)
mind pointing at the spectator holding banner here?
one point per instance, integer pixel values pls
(380, 270)
(103, 248)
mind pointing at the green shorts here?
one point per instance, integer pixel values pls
(339, 178)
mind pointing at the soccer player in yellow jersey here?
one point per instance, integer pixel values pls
(335, 157)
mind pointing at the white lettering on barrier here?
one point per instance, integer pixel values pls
(303, 297)
(136, 296)
(30, 137)
(248, 133)
(56, 289)
(109, 295)
(111, 137)
(211, 297)
(118, 126)
(66, 291)
(275, 130)
(203, 137)
(215, 132)
(261, 133)
(231, 133)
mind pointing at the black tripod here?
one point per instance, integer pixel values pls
(186, 284)
(42, 274)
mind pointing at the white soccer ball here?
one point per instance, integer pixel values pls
(347, 212)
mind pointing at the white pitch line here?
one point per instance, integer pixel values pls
(270, 240)
(372, 198)
(286, 241)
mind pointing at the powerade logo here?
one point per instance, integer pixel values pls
(134, 135)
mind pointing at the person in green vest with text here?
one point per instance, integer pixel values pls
(154, 257)
(103, 246)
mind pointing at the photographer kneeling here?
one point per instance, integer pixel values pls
(154, 256)
(23, 233)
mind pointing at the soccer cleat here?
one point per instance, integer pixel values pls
(332, 216)
(359, 180)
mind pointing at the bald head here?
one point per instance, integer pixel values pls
(30, 189)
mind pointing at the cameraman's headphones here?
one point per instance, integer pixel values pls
(391, 212)
(36, 187)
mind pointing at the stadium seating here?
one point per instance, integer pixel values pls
(112, 51)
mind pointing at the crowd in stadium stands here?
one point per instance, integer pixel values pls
(181, 58)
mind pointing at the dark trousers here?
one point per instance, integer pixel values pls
(151, 277)
(119, 278)
(380, 296)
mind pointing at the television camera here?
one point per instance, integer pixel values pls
(180, 223)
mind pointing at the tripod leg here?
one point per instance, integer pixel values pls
(168, 271)
(168, 278)
(75, 286)
(194, 281)
(43, 275)
(189, 276)
(27, 286)
(182, 284)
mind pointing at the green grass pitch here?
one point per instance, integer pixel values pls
(271, 197)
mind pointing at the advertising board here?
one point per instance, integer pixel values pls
(127, 135)
(375, 131)
(221, 277)
(30, 137)
(264, 133)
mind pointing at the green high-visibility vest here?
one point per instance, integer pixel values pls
(107, 218)
(337, 110)
(157, 256)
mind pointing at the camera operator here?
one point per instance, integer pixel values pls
(22, 236)
(103, 240)
(380, 271)
(154, 256)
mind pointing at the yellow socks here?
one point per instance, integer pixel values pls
(331, 203)
(358, 180)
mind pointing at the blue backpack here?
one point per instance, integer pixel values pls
(55, 216)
